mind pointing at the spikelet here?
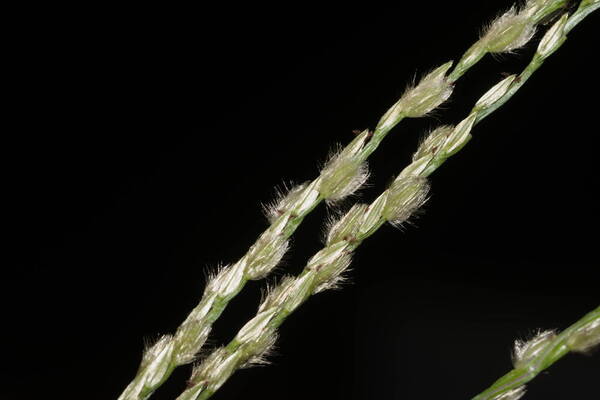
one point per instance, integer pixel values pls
(525, 351)
(433, 90)
(344, 172)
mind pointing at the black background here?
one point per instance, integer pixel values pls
(140, 143)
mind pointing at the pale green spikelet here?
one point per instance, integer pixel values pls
(433, 142)
(404, 196)
(510, 31)
(495, 93)
(286, 201)
(428, 94)
(525, 351)
(345, 228)
(586, 338)
(554, 38)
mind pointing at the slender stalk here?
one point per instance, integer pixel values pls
(343, 174)
(325, 269)
(533, 357)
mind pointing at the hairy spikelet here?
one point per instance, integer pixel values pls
(508, 32)
(525, 351)
(405, 196)
(433, 90)
(345, 172)
(345, 227)
(285, 201)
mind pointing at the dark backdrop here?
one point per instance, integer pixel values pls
(140, 143)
